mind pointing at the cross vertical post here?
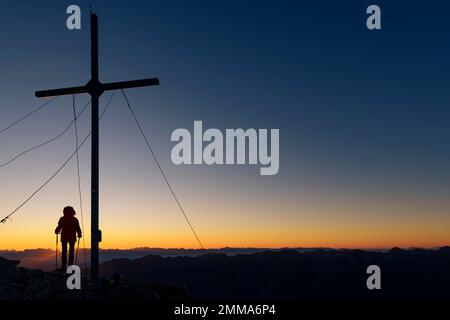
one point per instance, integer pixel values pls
(95, 231)
(95, 88)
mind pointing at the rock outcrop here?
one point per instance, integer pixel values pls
(18, 283)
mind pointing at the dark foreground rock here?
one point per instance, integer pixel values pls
(18, 283)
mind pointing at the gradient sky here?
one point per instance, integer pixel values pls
(363, 118)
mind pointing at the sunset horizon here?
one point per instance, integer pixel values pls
(268, 248)
(262, 245)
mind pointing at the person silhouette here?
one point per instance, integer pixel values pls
(69, 227)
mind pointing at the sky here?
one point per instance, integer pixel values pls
(363, 119)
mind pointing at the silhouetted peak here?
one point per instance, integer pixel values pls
(445, 250)
(150, 258)
(213, 256)
(7, 264)
(278, 253)
(358, 252)
(420, 251)
(396, 250)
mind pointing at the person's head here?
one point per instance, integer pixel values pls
(69, 211)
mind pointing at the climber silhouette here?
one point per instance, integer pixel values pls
(69, 227)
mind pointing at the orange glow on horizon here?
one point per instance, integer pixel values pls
(273, 240)
(269, 219)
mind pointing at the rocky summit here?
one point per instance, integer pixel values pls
(18, 283)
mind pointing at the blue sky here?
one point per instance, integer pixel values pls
(363, 115)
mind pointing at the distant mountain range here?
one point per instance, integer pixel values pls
(45, 258)
(290, 274)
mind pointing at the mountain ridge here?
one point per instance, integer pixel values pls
(290, 274)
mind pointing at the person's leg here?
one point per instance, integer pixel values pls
(71, 251)
(64, 255)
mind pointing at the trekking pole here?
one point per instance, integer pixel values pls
(56, 256)
(76, 254)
